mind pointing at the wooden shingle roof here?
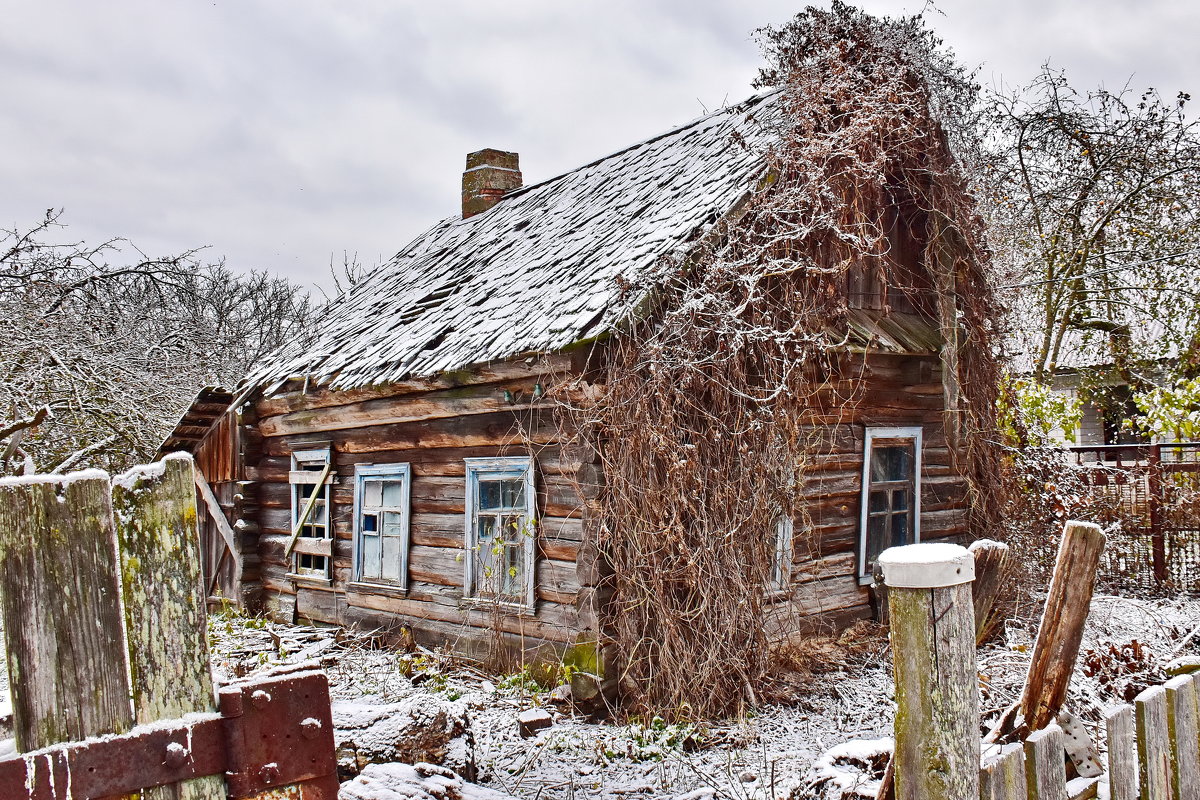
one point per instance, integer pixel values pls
(210, 403)
(541, 269)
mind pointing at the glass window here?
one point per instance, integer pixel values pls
(500, 530)
(310, 480)
(381, 517)
(891, 493)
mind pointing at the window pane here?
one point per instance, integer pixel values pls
(891, 463)
(393, 494)
(370, 524)
(513, 580)
(513, 528)
(370, 550)
(899, 530)
(373, 493)
(875, 538)
(486, 528)
(392, 524)
(489, 494)
(390, 569)
(878, 503)
(513, 493)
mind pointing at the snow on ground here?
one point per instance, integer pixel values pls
(769, 754)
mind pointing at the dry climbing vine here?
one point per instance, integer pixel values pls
(725, 400)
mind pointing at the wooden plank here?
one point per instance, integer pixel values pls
(1122, 753)
(1045, 771)
(1184, 736)
(155, 512)
(217, 514)
(60, 592)
(298, 399)
(1061, 630)
(1003, 775)
(1153, 744)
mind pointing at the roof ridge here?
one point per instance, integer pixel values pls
(738, 107)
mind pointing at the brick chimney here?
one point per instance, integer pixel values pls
(490, 173)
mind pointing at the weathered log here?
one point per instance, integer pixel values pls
(937, 689)
(1061, 630)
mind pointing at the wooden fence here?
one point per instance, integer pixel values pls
(112, 691)
(1153, 745)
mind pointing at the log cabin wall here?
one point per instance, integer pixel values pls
(893, 391)
(432, 425)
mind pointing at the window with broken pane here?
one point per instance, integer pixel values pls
(310, 509)
(381, 523)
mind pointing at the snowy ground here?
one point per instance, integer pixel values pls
(768, 755)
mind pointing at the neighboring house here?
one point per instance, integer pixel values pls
(406, 469)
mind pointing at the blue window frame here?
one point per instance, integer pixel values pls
(500, 530)
(381, 521)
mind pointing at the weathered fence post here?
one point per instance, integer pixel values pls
(937, 686)
(62, 607)
(1153, 743)
(1122, 753)
(1185, 736)
(164, 599)
(1067, 603)
(1045, 771)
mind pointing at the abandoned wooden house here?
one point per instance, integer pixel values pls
(406, 469)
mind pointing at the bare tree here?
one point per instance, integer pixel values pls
(103, 346)
(1094, 206)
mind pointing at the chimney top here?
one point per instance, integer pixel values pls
(489, 175)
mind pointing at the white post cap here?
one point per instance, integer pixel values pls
(927, 566)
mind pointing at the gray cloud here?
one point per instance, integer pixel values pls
(282, 132)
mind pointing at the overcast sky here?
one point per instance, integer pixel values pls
(283, 132)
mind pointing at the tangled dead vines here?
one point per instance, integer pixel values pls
(723, 402)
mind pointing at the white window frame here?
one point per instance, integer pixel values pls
(915, 435)
(477, 468)
(398, 472)
(782, 530)
(301, 477)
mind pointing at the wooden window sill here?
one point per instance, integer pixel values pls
(484, 604)
(367, 587)
(312, 580)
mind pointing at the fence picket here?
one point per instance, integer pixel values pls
(1185, 752)
(1045, 772)
(155, 511)
(61, 596)
(1003, 778)
(1122, 753)
(1153, 744)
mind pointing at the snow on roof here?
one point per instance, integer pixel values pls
(538, 271)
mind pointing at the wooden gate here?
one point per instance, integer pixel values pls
(100, 584)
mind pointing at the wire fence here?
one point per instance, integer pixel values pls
(1147, 496)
